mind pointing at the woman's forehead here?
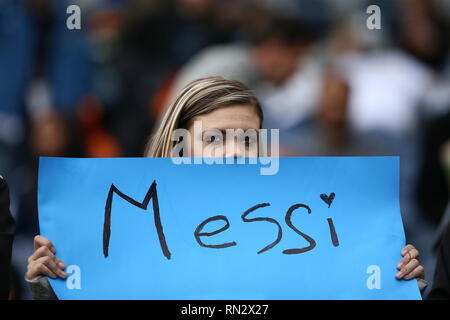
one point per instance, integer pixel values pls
(235, 116)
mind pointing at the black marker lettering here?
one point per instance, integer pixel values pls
(151, 194)
(334, 237)
(311, 241)
(198, 233)
(280, 232)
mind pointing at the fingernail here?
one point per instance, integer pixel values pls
(399, 265)
(61, 265)
(64, 275)
(400, 274)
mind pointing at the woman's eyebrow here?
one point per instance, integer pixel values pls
(213, 131)
(223, 131)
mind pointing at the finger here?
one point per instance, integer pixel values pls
(410, 266)
(37, 268)
(45, 252)
(407, 248)
(40, 241)
(41, 252)
(60, 264)
(51, 264)
(418, 272)
(413, 253)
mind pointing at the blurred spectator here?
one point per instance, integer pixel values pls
(422, 32)
(387, 87)
(327, 132)
(277, 63)
(44, 59)
(290, 76)
(51, 134)
(6, 240)
(441, 281)
(156, 39)
(433, 188)
(43, 67)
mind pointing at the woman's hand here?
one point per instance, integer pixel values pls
(43, 260)
(409, 266)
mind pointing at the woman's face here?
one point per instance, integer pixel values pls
(209, 136)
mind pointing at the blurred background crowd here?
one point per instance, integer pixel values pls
(331, 85)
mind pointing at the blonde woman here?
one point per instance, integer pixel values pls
(219, 105)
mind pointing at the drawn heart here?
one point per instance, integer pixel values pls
(327, 199)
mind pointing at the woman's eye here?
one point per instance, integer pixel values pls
(212, 139)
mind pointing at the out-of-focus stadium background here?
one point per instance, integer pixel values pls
(332, 86)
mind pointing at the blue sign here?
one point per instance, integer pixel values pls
(146, 228)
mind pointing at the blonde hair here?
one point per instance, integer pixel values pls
(197, 98)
